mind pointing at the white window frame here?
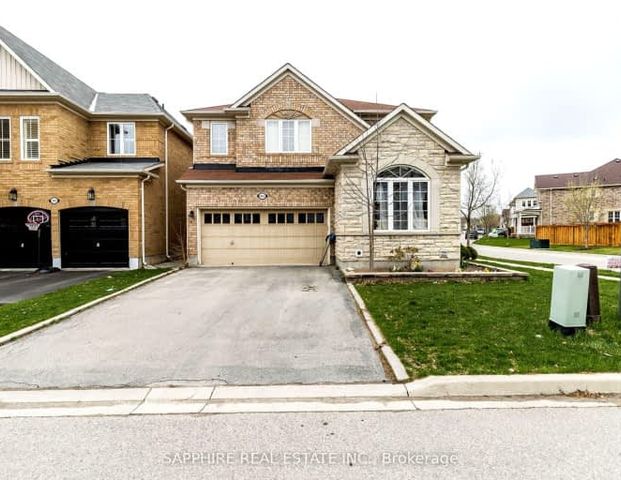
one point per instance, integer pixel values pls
(226, 144)
(390, 204)
(296, 127)
(10, 141)
(616, 216)
(22, 139)
(122, 153)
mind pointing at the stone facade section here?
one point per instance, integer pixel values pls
(400, 143)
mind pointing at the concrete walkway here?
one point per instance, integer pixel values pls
(543, 256)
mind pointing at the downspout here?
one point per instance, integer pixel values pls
(166, 207)
(187, 236)
(142, 220)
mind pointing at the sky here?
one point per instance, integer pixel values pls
(533, 86)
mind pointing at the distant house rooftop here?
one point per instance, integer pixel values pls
(606, 174)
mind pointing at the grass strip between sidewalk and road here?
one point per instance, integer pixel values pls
(15, 316)
(501, 327)
(525, 243)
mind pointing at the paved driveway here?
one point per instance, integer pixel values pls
(16, 286)
(543, 255)
(205, 327)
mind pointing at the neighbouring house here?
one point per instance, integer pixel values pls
(276, 172)
(553, 191)
(524, 212)
(100, 166)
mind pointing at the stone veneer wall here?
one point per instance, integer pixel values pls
(401, 143)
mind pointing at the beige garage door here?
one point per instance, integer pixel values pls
(283, 237)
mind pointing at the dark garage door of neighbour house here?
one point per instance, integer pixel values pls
(20, 247)
(94, 237)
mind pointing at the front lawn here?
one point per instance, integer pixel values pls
(490, 328)
(14, 316)
(525, 243)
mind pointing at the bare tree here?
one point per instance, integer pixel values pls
(360, 183)
(479, 189)
(582, 203)
(490, 217)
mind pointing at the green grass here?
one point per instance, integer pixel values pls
(490, 328)
(15, 316)
(525, 243)
(600, 271)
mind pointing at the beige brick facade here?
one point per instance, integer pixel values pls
(554, 209)
(331, 129)
(402, 142)
(65, 136)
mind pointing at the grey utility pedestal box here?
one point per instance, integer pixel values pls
(570, 292)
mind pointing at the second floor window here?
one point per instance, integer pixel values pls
(284, 136)
(30, 138)
(219, 138)
(5, 139)
(121, 139)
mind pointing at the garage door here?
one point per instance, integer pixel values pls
(19, 247)
(263, 237)
(94, 237)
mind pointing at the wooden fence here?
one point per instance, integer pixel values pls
(600, 234)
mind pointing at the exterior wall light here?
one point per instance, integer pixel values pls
(13, 195)
(191, 214)
(90, 195)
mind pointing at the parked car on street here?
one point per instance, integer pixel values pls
(472, 235)
(498, 232)
(480, 231)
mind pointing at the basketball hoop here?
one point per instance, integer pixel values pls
(32, 226)
(38, 216)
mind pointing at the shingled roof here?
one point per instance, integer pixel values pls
(607, 174)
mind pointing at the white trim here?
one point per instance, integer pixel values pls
(425, 126)
(21, 138)
(122, 154)
(296, 133)
(10, 141)
(27, 67)
(226, 137)
(410, 191)
(287, 68)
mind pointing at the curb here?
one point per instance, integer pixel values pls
(398, 370)
(515, 385)
(535, 267)
(319, 398)
(69, 313)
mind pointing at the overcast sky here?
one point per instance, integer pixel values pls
(535, 86)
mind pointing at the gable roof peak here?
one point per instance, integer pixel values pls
(288, 68)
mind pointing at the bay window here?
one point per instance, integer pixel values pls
(401, 200)
(288, 136)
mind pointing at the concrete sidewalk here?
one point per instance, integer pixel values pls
(431, 393)
(543, 255)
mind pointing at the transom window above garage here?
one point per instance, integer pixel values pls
(401, 199)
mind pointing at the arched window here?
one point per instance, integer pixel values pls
(401, 199)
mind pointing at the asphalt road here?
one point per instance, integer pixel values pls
(460, 444)
(16, 286)
(543, 255)
(205, 327)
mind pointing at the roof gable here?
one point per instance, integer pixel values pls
(527, 193)
(606, 174)
(51, 76)
(403, 111)
(14, 75)
(289, 69)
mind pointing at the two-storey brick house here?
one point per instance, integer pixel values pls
(277, 171)
(102, 166)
